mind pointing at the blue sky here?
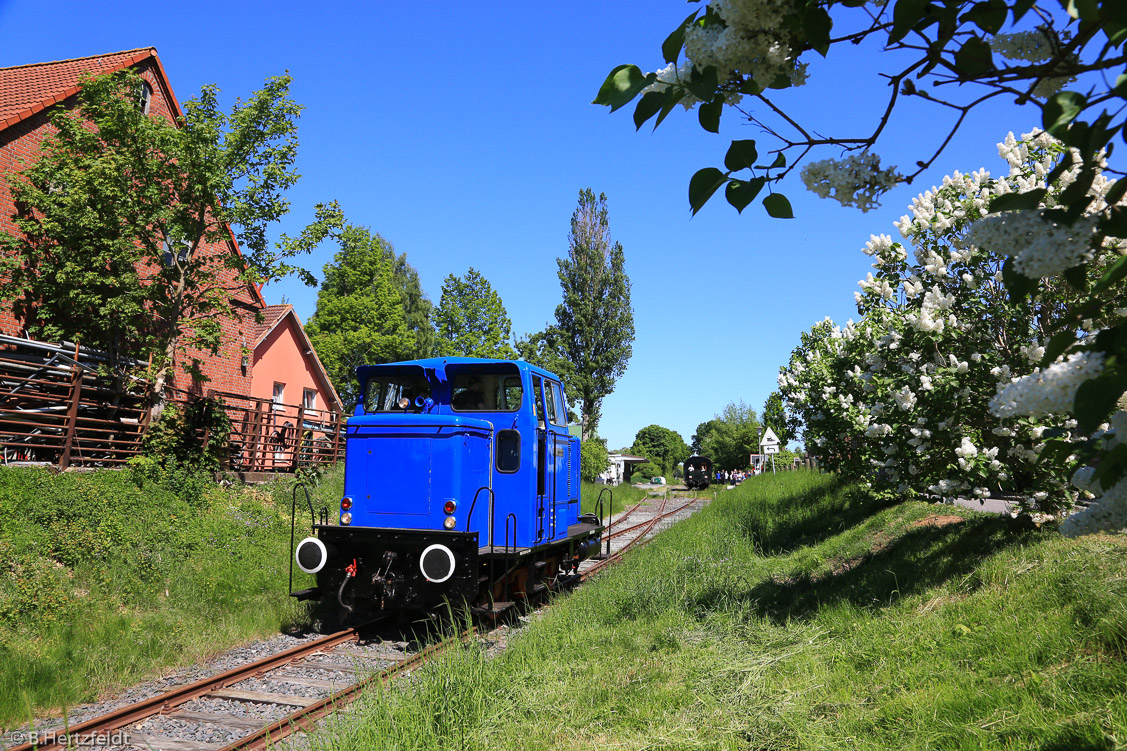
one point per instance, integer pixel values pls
(463, 134)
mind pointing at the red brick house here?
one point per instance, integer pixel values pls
(246, 364)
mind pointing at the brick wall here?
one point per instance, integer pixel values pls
(20, 143)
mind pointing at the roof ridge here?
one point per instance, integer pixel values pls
(77, 59)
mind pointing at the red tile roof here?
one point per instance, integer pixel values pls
(27, 89)
(271, 314)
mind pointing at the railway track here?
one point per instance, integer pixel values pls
(262, 702)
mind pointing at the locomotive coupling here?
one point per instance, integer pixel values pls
(312, 555)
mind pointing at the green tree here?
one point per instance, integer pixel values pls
(360, 317)
(593, 459)
(701, 436)
(545, 349)
(662, 446)
(470, 320)
(119, 223)
(775, 417)
(595, 319)
(417, 307)
(733, 437)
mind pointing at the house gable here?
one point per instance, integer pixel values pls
(27, 95)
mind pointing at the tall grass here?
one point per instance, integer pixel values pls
(110, 577)
(798, 612)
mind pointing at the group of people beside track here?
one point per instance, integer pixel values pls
(733, 476)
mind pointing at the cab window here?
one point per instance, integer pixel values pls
(538, 399)
(485, 392)
(394, 393)
(561, 405)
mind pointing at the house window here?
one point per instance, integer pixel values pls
(309, 398)
(146, 97)
(279, 395)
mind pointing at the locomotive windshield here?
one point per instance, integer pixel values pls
(486, 392)
(390, 393)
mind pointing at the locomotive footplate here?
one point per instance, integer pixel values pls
(372, 569)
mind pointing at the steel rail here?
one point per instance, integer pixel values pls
(93, 731)
(303, 718)
(637, 541)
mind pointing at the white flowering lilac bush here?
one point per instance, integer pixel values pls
(919, 396)
(735, 50)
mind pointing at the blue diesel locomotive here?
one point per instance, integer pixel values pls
(461, 485)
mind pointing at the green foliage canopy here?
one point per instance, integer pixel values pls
(775, 417)
(593, 459)
(470, 320)
(595, 321)
(116, 221)
(662, 446)
(361, 317)
(730, 438)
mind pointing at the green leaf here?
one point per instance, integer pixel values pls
(817, 24)
(974, 58)
(1115, 223)
(709, 114)
(1061, 109)
(778, 206)
(1016, 284)
(740, 193)
(905, 15)
(750, 87)
(1095, 400)
(622, 85)
(1115, 274)
(671, 47)
(1057, 346)
(1111, 466)
(1116, 192)
(1086, 10)
(673, 95)
(1018, 201)
(1077, 277)
(648, 106)
(741, 155)
(780, 161)
(1075, 196)
(988, 15)
(703, 84)
(703, 184)
(1021, 7)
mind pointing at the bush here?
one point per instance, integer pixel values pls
(593, 459)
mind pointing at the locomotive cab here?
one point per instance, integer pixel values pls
(461, 484)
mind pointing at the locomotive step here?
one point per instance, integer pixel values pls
(493, 608)
(313, 593)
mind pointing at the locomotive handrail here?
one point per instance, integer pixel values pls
(610, 515)
(293, 521)
(469, 516)
(508, 555)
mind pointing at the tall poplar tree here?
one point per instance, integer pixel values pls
(360, 317)
(470, 320)
(595, 319)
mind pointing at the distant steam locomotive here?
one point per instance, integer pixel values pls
(698, 470)
(461, 485)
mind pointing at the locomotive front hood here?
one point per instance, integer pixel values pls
(401, 472)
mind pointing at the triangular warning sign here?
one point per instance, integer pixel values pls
(769, 438)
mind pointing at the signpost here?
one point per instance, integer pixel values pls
(769, 444)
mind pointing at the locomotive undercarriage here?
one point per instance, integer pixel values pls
(371, 572)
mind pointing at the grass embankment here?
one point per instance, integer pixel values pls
(795, 612)
(110, 577)
(621, 495)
